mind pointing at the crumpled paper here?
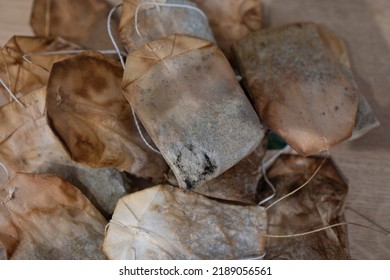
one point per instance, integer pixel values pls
(302, 89)
(43, 217)
(318, 204)
(165, 222)
(189, 101)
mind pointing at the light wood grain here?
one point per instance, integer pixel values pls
(365, 26)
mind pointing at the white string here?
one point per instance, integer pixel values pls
(123, 66)
(112, 37)
(140, 132)
(5, 169)
(254, 258)
(11, 94)
(307, 182)
(25, 56)
(164, 5)
(264, 166)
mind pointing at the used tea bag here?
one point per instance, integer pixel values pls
(43, 217)
(188, 99)
(28, 144)
(315, 206)
(159, 19)
(165, 222)
(82, 22)
(301, 88)
(231, 20)
(239, 183)
(24, 67)
(87, 109)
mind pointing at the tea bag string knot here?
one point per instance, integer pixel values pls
(182, 6)
(123, 66)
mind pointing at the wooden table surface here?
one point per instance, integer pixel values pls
(365, 26)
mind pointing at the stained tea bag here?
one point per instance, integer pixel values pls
(317, 205)
(165, 222)
(239, 183)
(43, 217)
(24, 65)
(302, 87)
(188, 99)
(231, 20)
(145, 21)
(82, 22)
(28, 144)
(94, 120)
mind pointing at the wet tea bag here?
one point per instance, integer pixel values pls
(87, 109)
(302, 88)
(239, 183)
(165, 222)
(231, 20)
(145, 21)
(43, 217)
(25, 65)
(82, 22)
(317, 205)
(28, 144)
(188, 99)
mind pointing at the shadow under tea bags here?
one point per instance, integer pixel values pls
(188, 99)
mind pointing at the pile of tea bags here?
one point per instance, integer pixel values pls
(168, 151)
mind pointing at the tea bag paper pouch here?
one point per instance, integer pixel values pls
(188, 99)
(45, 217)
(168, 223)
(161, 18)
(299, 78)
